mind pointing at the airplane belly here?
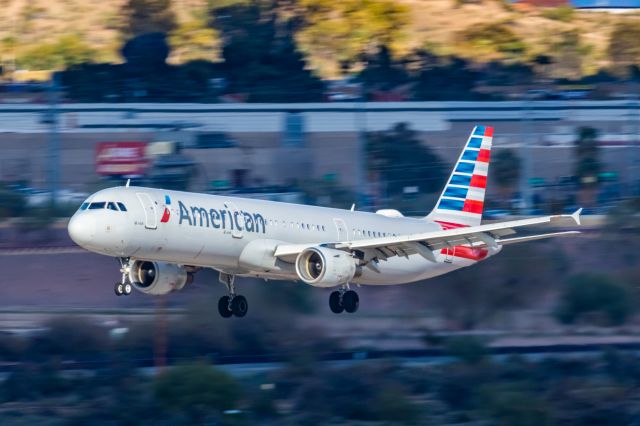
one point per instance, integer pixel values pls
(402, 270)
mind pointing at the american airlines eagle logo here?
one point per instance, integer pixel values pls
(167, 211)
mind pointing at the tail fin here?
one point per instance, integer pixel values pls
(462, 201)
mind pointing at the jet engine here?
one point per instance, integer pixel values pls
(325, 267)
(157, 278)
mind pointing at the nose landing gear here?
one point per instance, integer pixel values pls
(232, 304)
(124, 287)
(344, 300)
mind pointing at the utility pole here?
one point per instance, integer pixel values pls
(53, 156)
(361, 151)
(525, 156)
(160, 341)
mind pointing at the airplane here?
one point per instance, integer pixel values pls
(162, 237)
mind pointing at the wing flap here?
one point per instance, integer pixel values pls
(472, 236)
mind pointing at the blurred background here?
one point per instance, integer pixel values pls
(329, 103)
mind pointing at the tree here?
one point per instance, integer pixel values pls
(587, 154)
(197, 391)
(402, 160)
(337, 34)
(147, 16)
(624, 49)
(569, 52)
(588, 294)
(66, 51)
(506, 169)
(382, 71)
(443, 78)
(261, 57)
(493, 40)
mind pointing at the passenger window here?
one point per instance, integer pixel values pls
(84, 206)
(96, 206)
(122, 207)
(112, 206)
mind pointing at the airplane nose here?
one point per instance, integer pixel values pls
(82, 229)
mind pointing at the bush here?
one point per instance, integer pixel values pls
(467, 348)
(196, 391)
(562, 13)
(594, 296)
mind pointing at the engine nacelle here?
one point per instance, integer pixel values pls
(325, 267)
(157, 278)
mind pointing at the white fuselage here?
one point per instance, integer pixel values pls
(213, 231)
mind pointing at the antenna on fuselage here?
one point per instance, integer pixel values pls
(128, 182)
(353, 207)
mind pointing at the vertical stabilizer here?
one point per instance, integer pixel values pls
(462, 201)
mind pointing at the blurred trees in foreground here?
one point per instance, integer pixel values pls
(468, 386)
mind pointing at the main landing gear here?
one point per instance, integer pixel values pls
(344, 300)
(232, 304)
(124, 287)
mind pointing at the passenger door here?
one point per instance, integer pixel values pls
(150, 210)
(343, 232)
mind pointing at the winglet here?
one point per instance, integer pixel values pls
(576, 216)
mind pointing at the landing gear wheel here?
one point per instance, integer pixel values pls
(127, 289)
(335, 303)
(350, 301)
(119, 289)
(239, 306)
(223, 307)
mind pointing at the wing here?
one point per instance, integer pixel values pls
(426, 243)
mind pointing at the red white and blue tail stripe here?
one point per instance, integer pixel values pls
(462, 201)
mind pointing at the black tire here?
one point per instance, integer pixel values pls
(239, 306)
(223, 307)
(335, 303)
(350, 301)
(118, 289)
(127, 289)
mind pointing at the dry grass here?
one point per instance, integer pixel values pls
(435, 25)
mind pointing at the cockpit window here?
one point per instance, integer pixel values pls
(97, 206)
(84, 206)
(122, 207)
(112, 206)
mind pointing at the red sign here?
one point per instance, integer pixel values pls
(121, 158)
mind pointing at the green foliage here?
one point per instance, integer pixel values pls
(493, 38)
(360, 392)
(66, 51)
(261, 57)
(568, 54)
(624, 49)
(340, 32)
(514, 405)
(443, 78)
(402, 160)
(194, 40)
(147, 16)
(595, 297)
(625, 217)
(12, 203)
(505, 167)
(72, 335)
(468, 349)
(587, 155)
(196, 391)
(562, 13)
(382, 71)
